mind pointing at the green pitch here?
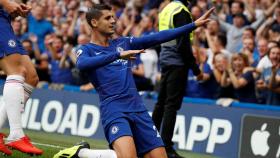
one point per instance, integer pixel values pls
(52, 143)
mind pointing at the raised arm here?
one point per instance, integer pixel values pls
(255, 25)
(167, 35)
(224, 26)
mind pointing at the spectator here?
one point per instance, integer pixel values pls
(19, 28)
(213, 27)
(217, 45)
(248, 49)
(248, 33)
(252, 10)
(262, 47)
(241, 78)
(276, 24)
(220, 62)
(236, 8)
(234, 32)
(202, 88)
(38, 25)
(196, 12)
(270, 78)
(265, 61)
(58, 16)
(60, 61)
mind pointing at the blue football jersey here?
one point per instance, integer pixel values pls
(114, 81)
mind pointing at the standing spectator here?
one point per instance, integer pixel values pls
(217, 45)
(176, 59)
(248, 49)
(241, 77)
(248, 33)
(236, 7)
(18, 28)
(213, 27)
(265, 61)
(202, 88)
(262, 47)
(234, 32)
(220, 63)
(196, 12)
(58, 16)
(252, 10)
(38, 25)
(60, 71)
(270, 78)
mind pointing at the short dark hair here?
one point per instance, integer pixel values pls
(222, 39)
(276, 46)
(253, 32)
(95, 12)
(27, 41)
(241, 4)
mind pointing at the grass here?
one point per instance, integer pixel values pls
(67, 141)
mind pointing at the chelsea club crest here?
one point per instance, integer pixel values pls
(119, 49)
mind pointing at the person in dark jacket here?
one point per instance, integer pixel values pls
(176, 59)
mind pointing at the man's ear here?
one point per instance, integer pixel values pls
(94, 23)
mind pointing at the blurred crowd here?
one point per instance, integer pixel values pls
(238, 51)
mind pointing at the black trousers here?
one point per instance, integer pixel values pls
(171, 93)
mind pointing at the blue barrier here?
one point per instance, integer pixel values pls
(201, 125)
(153, 95)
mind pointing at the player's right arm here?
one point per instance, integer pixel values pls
(85, 61)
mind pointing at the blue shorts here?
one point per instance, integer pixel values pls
(9, 43)
(140, 126)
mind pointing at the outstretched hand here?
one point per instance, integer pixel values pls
(204, 18)
(130, 54)
(25, 9)
(15, 9)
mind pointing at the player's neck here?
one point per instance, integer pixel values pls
(99, 39)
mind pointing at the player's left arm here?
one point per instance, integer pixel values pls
(167, 35)
(160, 37)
